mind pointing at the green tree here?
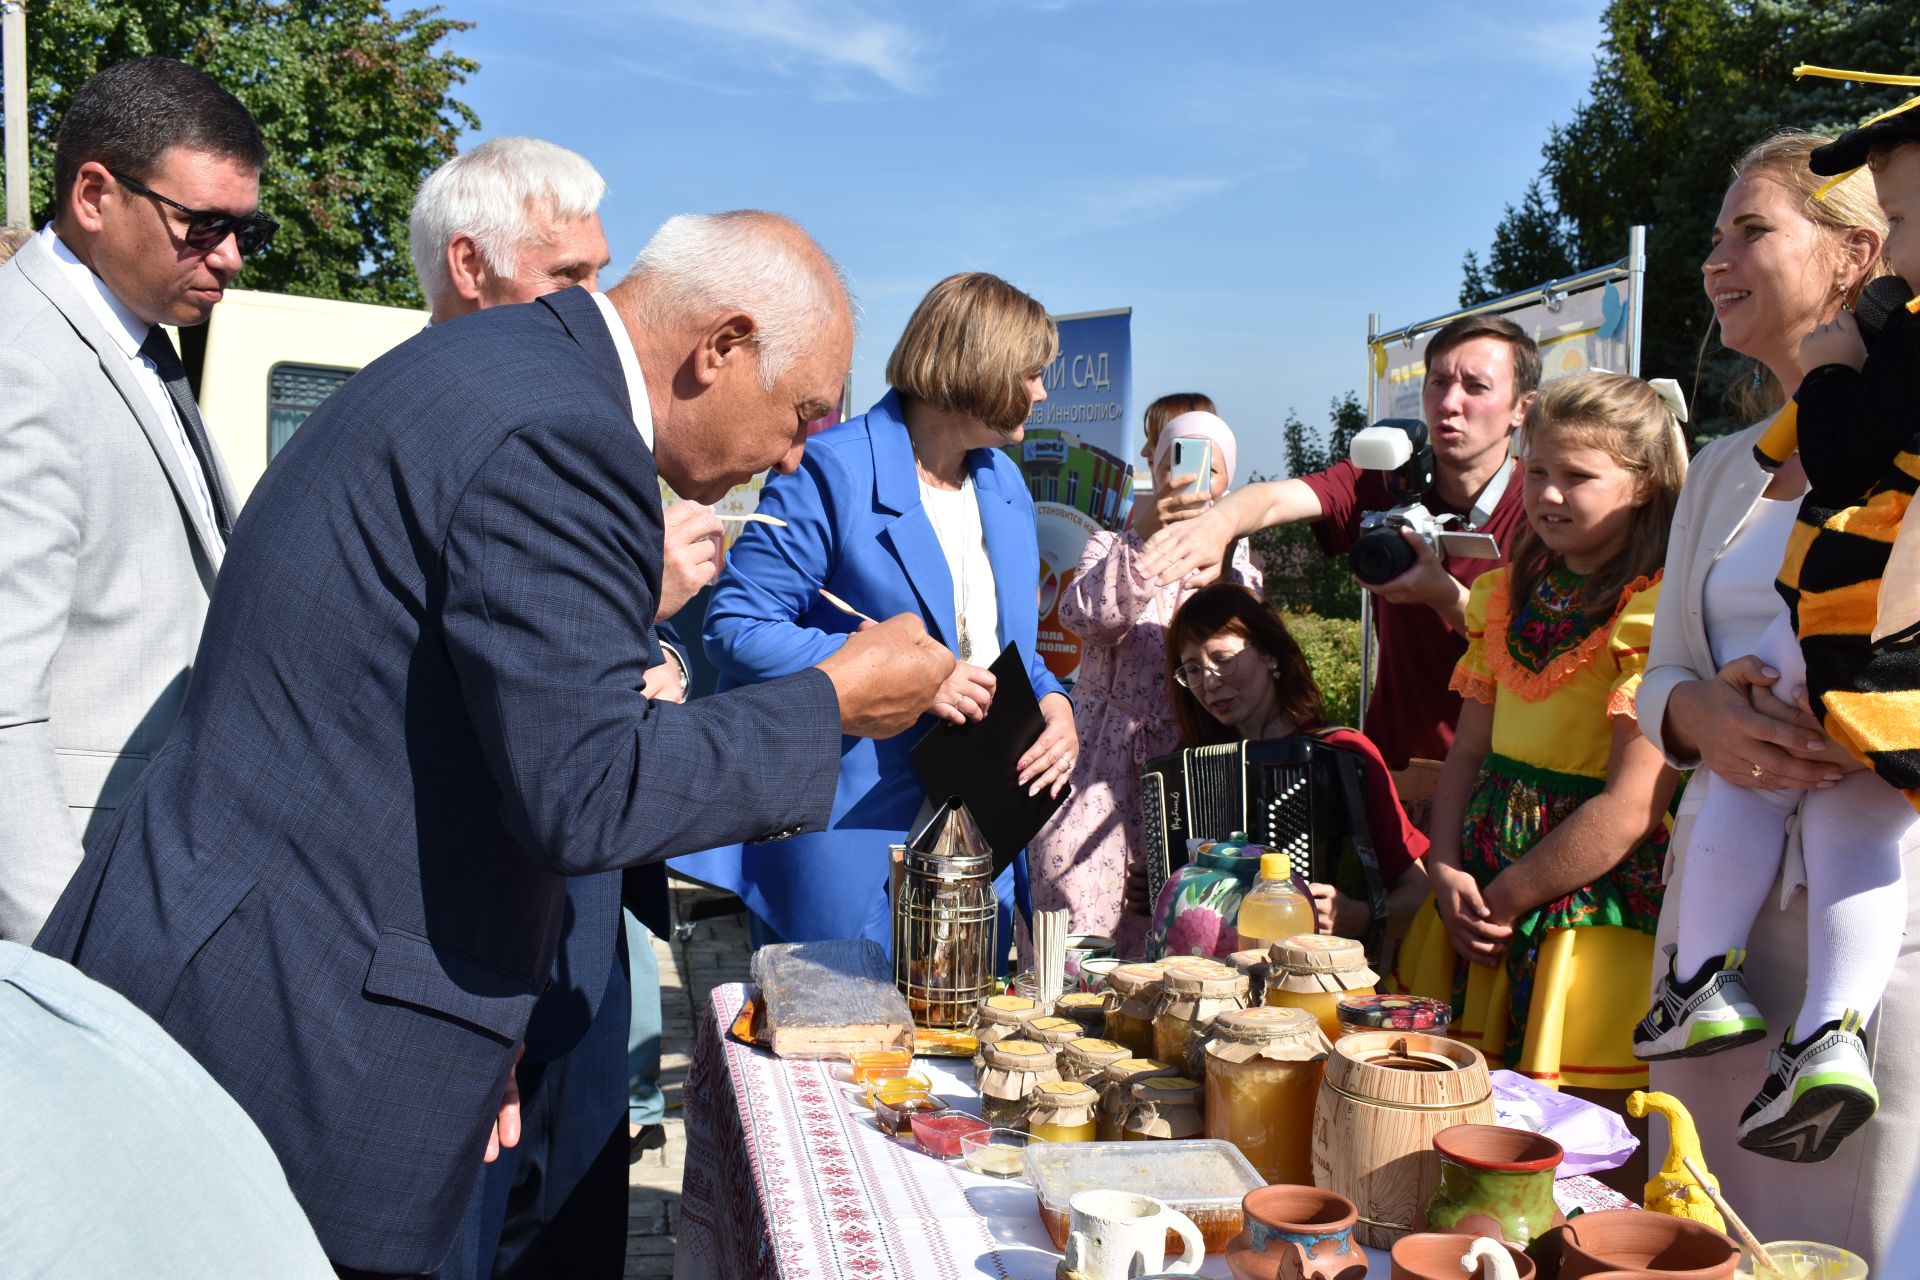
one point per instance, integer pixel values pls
(1300, 577)
(354, 102)
(1680, 88)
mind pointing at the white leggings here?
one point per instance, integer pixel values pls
(1850, 834)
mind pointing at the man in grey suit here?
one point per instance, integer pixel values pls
(114, 508)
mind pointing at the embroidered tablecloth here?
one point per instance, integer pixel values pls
(788, 1179)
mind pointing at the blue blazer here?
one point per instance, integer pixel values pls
(856, 527)
(413, 716)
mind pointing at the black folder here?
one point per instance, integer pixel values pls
(974, 762)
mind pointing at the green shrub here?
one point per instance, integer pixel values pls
(1332, 649)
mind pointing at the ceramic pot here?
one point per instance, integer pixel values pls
(1435, 1256)
(1495, 1181)
(1296, 1233)
(1659, 1244)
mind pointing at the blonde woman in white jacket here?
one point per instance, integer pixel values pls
(1781, 264)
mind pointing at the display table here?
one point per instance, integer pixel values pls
(787, 1176)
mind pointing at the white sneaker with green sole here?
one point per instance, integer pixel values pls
(1716, 1015)
(1816, 1093)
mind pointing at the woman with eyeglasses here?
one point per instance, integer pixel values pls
(1235, 673)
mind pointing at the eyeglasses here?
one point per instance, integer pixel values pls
(206, 229)
(1188, 675)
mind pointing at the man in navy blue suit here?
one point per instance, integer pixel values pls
(415, 711)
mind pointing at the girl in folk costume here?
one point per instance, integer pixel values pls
(1090, 857)
(1549, 817)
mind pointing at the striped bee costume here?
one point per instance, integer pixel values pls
(1860, 443)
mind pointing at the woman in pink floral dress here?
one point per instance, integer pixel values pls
(1090, 857)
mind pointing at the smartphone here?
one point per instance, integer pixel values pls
(1193, 457)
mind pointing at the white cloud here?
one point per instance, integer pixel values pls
(800, 38)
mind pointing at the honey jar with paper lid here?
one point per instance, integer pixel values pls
(1062, 1111)
(1001, 1018)
(1164, 1107)
(1086, 1060)
(1315, 972)
(1116, 1090)
(1136, 993)
(1192, 992)
(1054, 1032)
(1088, 1008)
(1263, 1068)
(1013, 1069)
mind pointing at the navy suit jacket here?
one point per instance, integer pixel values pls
(414, 714)
(856, 527)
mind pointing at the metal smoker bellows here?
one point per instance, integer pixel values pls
(944, 919)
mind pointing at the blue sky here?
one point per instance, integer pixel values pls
(1251, 178)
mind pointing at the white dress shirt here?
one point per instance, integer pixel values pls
(629, 365)
(129, 332)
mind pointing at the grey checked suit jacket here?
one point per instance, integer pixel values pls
(104, 579)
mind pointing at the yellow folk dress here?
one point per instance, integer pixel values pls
(1562, 1005)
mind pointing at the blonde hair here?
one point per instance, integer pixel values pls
(12, 240)
(1169, 407)
(1626, 419)
(971, 347)
(1849, 205)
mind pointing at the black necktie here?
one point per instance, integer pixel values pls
(159, 349)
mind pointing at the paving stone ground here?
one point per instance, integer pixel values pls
(715, 952)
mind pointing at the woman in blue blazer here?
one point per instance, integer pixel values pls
(910, 508)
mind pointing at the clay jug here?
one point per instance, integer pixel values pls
(1664, 1246)
(1495, 1181)
(1432, 1255)
(1296, 1233)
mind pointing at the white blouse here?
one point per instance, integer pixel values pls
(955, 516)
(1740, 597)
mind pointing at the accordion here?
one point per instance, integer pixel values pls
(1296, 795)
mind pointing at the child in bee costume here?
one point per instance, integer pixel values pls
(1857, 414)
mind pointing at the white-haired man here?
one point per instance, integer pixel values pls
(509, 221)
(415, 715)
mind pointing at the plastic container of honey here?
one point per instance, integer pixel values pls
(1315, 972)
(1263, 1079)
(1204, 1179)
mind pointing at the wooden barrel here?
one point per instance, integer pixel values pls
(1383, 1098)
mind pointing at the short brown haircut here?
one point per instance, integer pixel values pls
(1230, 607)
(971, 347)
(1169, 407)
(1525, 352)
(127, 116)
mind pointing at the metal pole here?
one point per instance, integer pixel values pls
(1636, 285)
(1366, 596)
(13, 65)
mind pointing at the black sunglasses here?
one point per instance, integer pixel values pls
(206, 230)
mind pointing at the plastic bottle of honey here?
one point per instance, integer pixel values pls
(1276, 907)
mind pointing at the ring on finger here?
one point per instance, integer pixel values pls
(1755, 770)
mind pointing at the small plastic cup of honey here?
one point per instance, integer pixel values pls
(996, 1153)
(877, 1064)
(893, 1088)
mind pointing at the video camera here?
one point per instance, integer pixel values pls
(1400, 448)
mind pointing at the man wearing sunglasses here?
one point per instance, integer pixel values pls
(114, 508)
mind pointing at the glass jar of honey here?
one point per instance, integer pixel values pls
(1055, 1033)
(1136, 992)
(1192, 992)
(1012, 1070)
(1315, 972)
(1086, 1060)
(1087, 1008)
(1000, 1018)
(1263, 1079)
(1164, 1107)
(1394, 1013)
(1116, 1091)
(1062, 1111)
